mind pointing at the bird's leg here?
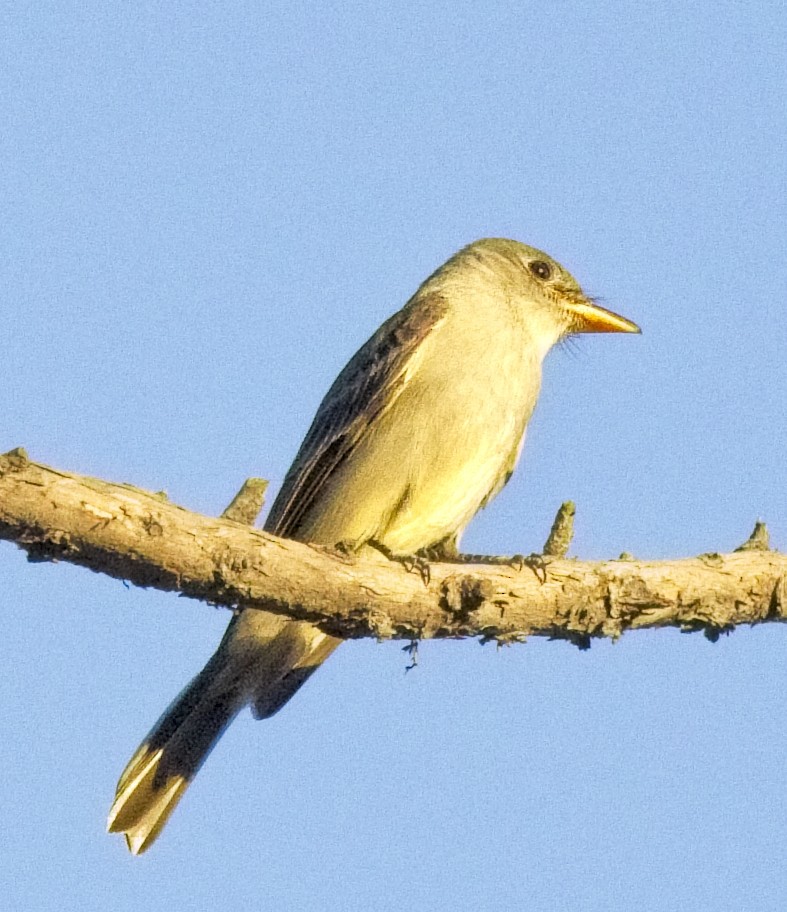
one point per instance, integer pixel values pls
(446, 551)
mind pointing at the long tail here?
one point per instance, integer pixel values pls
(261, 661)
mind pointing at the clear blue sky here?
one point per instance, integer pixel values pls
(205, 210)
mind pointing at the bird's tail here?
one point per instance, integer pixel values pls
(261, 661)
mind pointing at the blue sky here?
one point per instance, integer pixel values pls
(206, 209)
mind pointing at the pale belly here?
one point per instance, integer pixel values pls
(423, 471)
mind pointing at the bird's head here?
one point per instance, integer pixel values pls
(539, 289)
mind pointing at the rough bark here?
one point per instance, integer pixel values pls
(138, 536)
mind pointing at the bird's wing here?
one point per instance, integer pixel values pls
(366, 388)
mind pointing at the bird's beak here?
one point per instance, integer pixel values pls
(590, 318)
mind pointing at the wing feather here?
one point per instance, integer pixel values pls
(363, 391)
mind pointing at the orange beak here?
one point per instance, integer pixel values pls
(590, 318)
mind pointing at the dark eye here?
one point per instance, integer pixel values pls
(540, 269)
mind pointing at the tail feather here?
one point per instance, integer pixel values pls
(262, 660)
(142, 808)
(170, 756)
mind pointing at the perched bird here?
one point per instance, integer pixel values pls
(420, 430)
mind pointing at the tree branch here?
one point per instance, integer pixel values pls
(135, 535)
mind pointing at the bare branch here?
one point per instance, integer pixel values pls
(132, 534)
(246, 504)
(759, 540)
(562, 531)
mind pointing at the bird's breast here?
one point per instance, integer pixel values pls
(456, 428)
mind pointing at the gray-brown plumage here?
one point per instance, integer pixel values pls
(418, 432)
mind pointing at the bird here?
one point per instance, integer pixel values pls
(420, 430)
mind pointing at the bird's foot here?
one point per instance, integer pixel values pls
(418, 562)
(538, 563)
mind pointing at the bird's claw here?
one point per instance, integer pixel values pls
(417, 562)
(537, 563)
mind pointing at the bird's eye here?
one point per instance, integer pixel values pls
(540, 269)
